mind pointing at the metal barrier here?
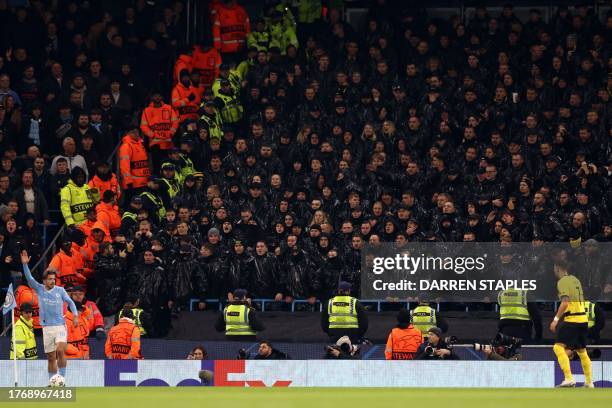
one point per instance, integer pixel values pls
(262, 302)
(377, 302)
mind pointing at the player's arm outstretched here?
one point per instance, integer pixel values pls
(71, 306)
(25, 259)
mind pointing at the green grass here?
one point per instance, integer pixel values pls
(179, 397)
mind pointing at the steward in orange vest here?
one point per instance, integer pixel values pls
(206, 60)
(230, 28)
(123, 341)
(24, 294)
(99, 234)
(182, 62)
(186, 98)
(108, 213)
(133, 161)
(66, 264)
(105, 180)
(95, 321)
(404, 340)
(159, 123)
(91, 217)
(78, 342)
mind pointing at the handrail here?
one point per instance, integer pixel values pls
(51, 245)
(377, 302)
(109, 159)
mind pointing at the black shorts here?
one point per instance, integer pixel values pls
(573, 335)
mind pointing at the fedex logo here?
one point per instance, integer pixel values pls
(228, 372)
(142, 373)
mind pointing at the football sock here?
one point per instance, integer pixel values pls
(51, 374)
(564, 362)
(585, 361)
(62, 371)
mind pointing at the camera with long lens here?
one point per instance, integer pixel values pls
(450, 340)
(501, 344)
(344, 348)
(501, 340)
(482, 347)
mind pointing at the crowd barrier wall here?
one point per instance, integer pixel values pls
(305, 373)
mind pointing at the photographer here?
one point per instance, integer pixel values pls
(502, 348)
(197, 353)
(342, 350)
(435, 348)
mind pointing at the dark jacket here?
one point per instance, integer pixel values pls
(421, 354)
(41, 209)
(301, 279)
(523, 328)
(183, 271)
(265, 280)
(213, 271)
(110, 278)
(275, 355)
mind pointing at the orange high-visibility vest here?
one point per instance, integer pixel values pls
(90, 249)
(180, 101)
(112, 184)
(133, 163)
(182, 62)
(207, 61)
(94, 317)
(402, 344)
(230, 28)
(159, 124)
(108, 215)
(123, 341)
(66, 267)
(78, 343)
(25, 294)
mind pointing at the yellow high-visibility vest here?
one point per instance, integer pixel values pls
(237, 321)
(24, 341)
(423, 318)
(513, 305)
(342, 312)
(75, 201)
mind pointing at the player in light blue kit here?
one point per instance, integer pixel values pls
(51, 300)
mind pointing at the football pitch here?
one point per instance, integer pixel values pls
(172, 397)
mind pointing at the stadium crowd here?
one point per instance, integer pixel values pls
(269, 153)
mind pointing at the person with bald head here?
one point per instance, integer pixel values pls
(70, 154)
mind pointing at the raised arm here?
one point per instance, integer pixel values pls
(25, 259)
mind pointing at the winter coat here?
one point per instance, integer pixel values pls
(265, 279)
(110, 279)
(184, 269)
(150, 283)
(212, 270)
(240, 268)
(301, 280)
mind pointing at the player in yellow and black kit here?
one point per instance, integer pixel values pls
(572, 322)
